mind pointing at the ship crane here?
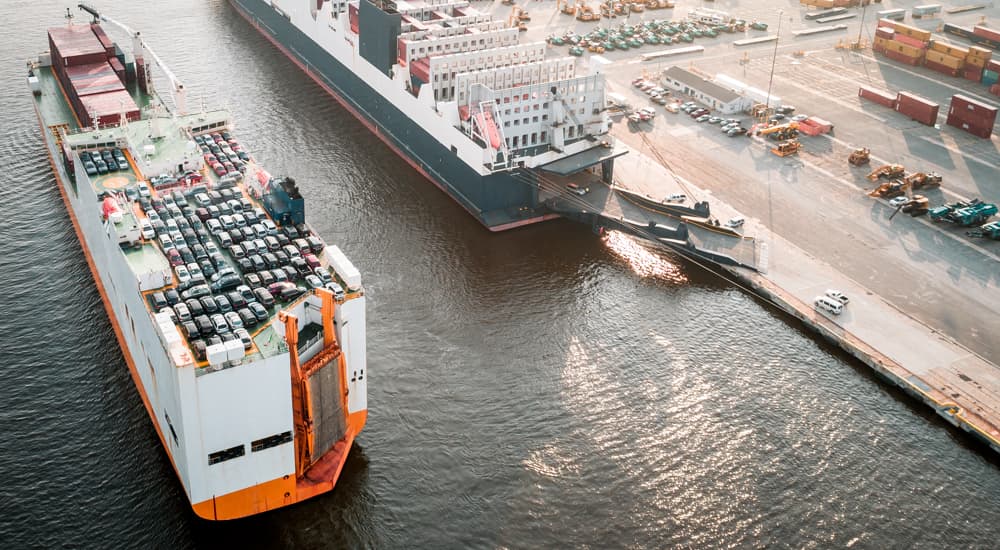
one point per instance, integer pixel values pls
(139, 49)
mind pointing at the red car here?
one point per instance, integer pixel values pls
(698, 112)
(311, 259)
(219, 169)
(210, 158)
(174, 257)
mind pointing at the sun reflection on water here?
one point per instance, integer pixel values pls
(643, 260)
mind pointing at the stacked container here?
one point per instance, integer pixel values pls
(883, 98)
(945, 58)
(975, 62)
(973, 116)
(920, 109)
(906, 44)
(926, 11)
(991, 72)
(92, 85)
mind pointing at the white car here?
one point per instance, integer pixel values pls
(898, 201)
(676, 197)
(738, 221)
(148, 232)
(828, 304)
(647, 112)
(838, 295)
(183, 277)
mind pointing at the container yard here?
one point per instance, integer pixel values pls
(906, 94)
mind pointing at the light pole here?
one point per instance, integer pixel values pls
(774, 58)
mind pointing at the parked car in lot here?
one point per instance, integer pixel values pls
(737, 131)
(676, 197)
(574, 188)
(738, 221)
(838, 295)
(703, 118)
(896, 202)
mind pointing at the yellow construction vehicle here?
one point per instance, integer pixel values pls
(889, 189)
(786, 148)
(859, 157)
(636, 7)
(566, 7)
(585, 13)
(887, 171)
(921, 179)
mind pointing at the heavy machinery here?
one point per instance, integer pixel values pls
(566, 7)
(788, 130)
(889, 190)
(966, 214)
(786, 148)
(986, 231)
(887, 171)
(920, 180)
(859, 157)
(586, 13)
(917, 206)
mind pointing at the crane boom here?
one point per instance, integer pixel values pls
(139, 48)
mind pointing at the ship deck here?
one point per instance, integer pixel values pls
(58, 116)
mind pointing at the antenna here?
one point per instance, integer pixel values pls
(69, 17)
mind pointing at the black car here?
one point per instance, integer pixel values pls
(264, 297)
(249, 319)
(159, 301)
(266, 278)
(215, 196)
(290, 293)
(283, 239)
(202, 214)
(205, 326)
(144, 204)
(194, 306)
(190, 330)
(290, 232)
(245, 265)
(172, 296)
(207, 269)
(291, 273)
(282, 258)
(186, 254)
(236, 235)
(271, 260)
(199, 348)
(236, 299)
(209, 305)
(258, 310)
(196, 291)
(300, 265)
(303, 230)
(226, 282)
(225, 306)
(315, 244)
(257, 262)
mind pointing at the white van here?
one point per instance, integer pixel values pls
(828, 304)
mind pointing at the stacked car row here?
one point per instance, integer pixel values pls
(222, 153)
(102, 162)
(206, 319)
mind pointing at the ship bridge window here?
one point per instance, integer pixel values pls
(227, 454)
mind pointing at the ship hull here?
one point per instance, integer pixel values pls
(136, 335)
(499, 201)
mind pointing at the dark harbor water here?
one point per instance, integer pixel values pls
(539, 388)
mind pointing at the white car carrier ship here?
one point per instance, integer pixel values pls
(243, 331)
(484, 117)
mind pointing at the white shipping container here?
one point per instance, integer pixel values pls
(344, 268)
(216, 354)
(234, 350)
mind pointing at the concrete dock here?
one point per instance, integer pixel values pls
(925, 305)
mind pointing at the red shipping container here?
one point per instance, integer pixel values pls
(107, 108)
(972, 112)
(102, 37)
(118, 68)
(902, 58)
(974, 74)
(978, 131)
(993, 65)
(995, 89)
(878, 49)
(922, 110)
(885, 32)
(986, 32)
(943, 69)
(910, 41)
(884, 99)
(75, 45)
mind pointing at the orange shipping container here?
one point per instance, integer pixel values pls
(975, 62)
(904, 49)
(950, 49)
(980, 53)
(913, 32)
(940, 58)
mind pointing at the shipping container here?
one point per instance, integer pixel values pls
(993, 65)
(902, 58)
(973, 112)
(990, 77)
(995, 90)
(118, 68)
(920, 109)
(910, 41)
(905, 49)
(978, 51)
(885, 32)
(75, 45)
(883, 98)
(102, 37)
(912, 32)
(104, 109)
(975, 74)
(944, 59)
(949, 49)
(978, 131)
(976, 62)
(986, 32)
(926, 9)
(897, 15)
(939, 68)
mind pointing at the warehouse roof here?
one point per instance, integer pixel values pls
(703, 85)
